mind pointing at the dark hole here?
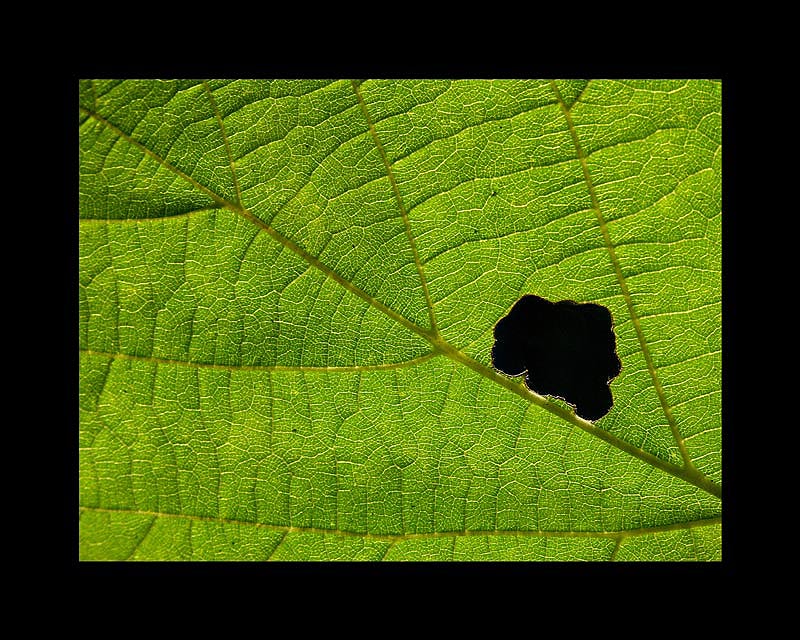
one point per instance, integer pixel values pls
(568, 350)
(494, 193)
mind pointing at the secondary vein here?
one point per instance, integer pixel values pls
(401, 206)
(274, 367)
(225, 140)
(399, 537)
(687, 461)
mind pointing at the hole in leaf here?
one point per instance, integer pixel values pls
(567, 349)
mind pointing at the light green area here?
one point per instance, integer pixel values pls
(695, 544)
(259, 265)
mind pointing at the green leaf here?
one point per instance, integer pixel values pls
(287, 297)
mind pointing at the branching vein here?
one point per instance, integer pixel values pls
(225, 140)
(687, 461)
(401, 206)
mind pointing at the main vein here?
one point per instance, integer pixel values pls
(687, 473)
(687, 461)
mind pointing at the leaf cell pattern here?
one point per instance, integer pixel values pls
(287, 296)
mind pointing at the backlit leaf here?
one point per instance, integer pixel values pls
(288, 292)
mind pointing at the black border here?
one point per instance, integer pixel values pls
(553, 573)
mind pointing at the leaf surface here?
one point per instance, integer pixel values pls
(287, 297)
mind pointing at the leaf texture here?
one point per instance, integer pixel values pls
(287, 297)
